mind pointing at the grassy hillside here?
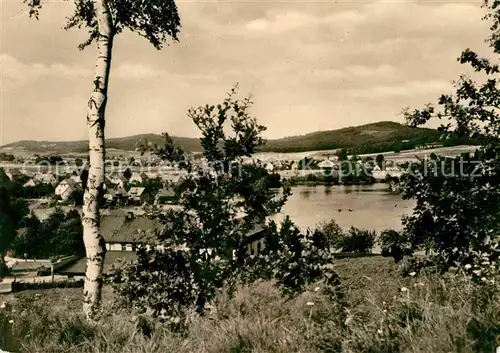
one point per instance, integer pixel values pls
(370, 138)
(435, 313)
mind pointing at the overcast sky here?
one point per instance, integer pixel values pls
(311, 65)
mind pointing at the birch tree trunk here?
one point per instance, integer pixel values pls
(94, 243)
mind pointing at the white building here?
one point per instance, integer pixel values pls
(46, 178)
(66, 188)
(326, 164)
(119, 181)
(269, 167)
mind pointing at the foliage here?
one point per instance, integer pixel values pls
(152, 185)
(342, 154)
(354, 172)
(59, 234)
(51, 160)
(76, 197)
(78, 162)
(12, 213)
(455, 213)
(457, 200)
(156, 21)
(381, 312)
(204, 243)
(294, 259)
(395, 244)
(332, 231)
(273, 181)
(380, 160)
(357, 241)
(20, 286)
(33, 192)
(7, 157)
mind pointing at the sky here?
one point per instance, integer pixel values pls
(309, 65)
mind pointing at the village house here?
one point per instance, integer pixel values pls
(116, 195)
(46, 178)
(31, 183)
(326, 164)
(165, 195)
(66, 188)
(13, 174)
(269, 167)
(124, 233)
(139, 195)
(119, 181)
(138, 178)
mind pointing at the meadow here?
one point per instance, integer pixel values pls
(378, 311)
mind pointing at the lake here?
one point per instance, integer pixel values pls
(373, 207)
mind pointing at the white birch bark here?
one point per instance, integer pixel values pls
(94, 243)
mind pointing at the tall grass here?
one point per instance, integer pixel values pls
(379, 313)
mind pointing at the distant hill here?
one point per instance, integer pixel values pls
(369, 138)
(377, 137)
(120, 143)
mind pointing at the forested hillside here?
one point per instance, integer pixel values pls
(370, 138)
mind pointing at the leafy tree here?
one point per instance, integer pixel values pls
(76, 197)
(52, 160)
(152, 185)
(204, 246)
(457, 200)
(29, 242)
(294, 259)
(156, 21)
(59, 234)
(7, 157)
(332, 231)
(380, 160)
(273, 181)
(342, 154)
(33, 192)
(78, 162)
(12, 213)
(394, 244)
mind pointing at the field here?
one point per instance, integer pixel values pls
(380, 312)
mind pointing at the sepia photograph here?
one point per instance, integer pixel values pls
(250, 176)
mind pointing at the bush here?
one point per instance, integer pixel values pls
(332, 231)
(395, 244)
(358, 241)
(20, 286)
(294, 259)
